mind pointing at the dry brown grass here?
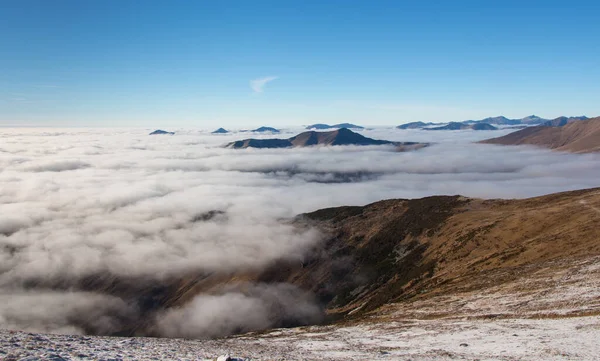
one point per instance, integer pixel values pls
(400, 251)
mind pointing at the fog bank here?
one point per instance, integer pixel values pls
(80, 205)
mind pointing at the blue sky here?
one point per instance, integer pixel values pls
(243, 63)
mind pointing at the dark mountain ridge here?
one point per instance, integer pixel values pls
(321, 126)
(341, 136)
(415, 125)
(161, 132)
(462, 126)
(265, 130)
(220, 131)
(530, 120)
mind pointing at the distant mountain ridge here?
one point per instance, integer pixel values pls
(321, 126)
(577, 136)
(415, 125)
(220, 131)
(494, 121)
(265, 130)
(562, 121)
(262, 129)
(341, 136)
(161, 132)
(499, 120)
(462, 126)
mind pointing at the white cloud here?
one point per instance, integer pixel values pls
(120, 203)
(259, 84)
(233, 311)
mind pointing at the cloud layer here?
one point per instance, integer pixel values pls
(82, 202)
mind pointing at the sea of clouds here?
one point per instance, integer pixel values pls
(81, 202)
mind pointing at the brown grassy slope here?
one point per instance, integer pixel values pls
(578, 137)
(398, 250)
(402, 250)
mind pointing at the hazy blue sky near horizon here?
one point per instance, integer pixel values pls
(245, 63)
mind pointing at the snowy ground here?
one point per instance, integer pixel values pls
(508, 339)
(564, 287)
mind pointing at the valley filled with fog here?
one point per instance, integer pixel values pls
(80, 202)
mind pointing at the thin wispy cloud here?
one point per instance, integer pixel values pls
(259, 84)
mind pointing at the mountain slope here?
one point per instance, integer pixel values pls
(578, 137)
(397, 250)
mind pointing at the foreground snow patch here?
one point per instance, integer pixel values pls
(442, 339)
